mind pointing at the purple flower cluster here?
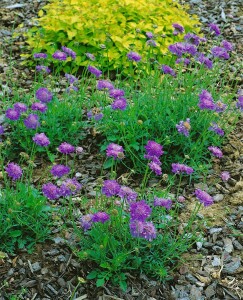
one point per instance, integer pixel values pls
(155, 167)
(178, 28)
(119, 103)
(168, 70)
(220, 52)
(96, 117)
(101, 217)
(206, 101)
(116, 93)
(151, 43)
(86, 221)
(69, 52)
(40, 55)
(41, 139)
(149, 35)
(141, 229)
(104, 84)
(43, 95)
(14, 171)
(134, 56)
(127, 194)
(71, 78)
(69, 187)
(220, 106)
(66, 148)
(1, 130)
(42, 69)
(37, 106)
(214, 29)
(183, 127)
(181, 48)
(239, 103)
(204, 60)
(110, 188)
(12, 114)
(32, 121)
(215, 151)
(204, 197)
(167, 203)
(115, 151)
(140, 210)
(185, 61)
(153, 150)
(181, 168)
(59, 170)
(59, 55)
(216, 129)
(90, 56)
(21, 107)
(227, 45)
(225, 176)
(95, 71)
(50, 191)
(193, 38)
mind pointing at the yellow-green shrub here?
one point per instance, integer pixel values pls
(120, 25)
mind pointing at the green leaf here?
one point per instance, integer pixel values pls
(108, 163)
(123, 285)
(15, 233)
(135, 146)
(100, 282)
(92, 275)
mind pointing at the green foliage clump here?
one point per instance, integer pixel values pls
(118, 26)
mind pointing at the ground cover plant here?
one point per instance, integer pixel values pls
(166, 124)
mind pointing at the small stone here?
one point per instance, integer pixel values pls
(208, 245)
(231, 267)
(199, 245)
(36, 267)
(216, 261)
(210, 291)
(61, 258)
(44, 271)
(61, 282)
(217, 249)
(195, 293)
(228, 246)
(59, 240)
(53, 252)
(215, 230)
(191, 278)
(237, 245)
(218, 197)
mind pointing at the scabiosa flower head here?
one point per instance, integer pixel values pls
(95, 71)
(38, 106)
(225, 176)
(192, 38)
(149, 231)
(1, 130)
(41, 139)
(167, 203)
(151, 43)
(59, 170)
(178, 49)
(71, 78)
(127, 193)
(206, 100)
(32, 121)
(21, 107)
(183, 127)
(115, 151)
(72, 89)
(42, 69)
(153, 149)
(104, 84)
(214, 28)
(136, 228)
(110, 188)
(178, 27)
(14, 171)
(149, 35)
(69, 52)
(59, 55)
(43, 95)
(98, 117)
(156, 168)
(239, 103)
(220, 106)
(12, 114)
(204, 60)
(168, 70)
(119, 103)
(86, 221)
(50, 191)
(185, 61)
(101, 217)
(204, 197)
(216, 129)
(69, 187)
(215, 151)
(227, 45)
(40, 55)
(141, 229)
(220, 52)
(140, 210)
(66, 148)
(116, 93)
(90, 56)
(181, 168)
(134, 56)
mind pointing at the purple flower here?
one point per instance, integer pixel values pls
(104, 84)
(192, 38)
(182, 48)
(136, 228)
(204, 197)
(220, 52)
(71, 89)
(59, 55)
(32, 121)
(100, 217)
(43, 95)
(41, 139)
(50, 191)
(71, 78)
(220, 106)
(98, 117)
(43, 69)
(141, 229)
(21, 107)
(151, 43)
(127, 193)
(37, 106)
(70, 187)
(214, 28)
(206, 100)
(178, 27)
(59, 170)
(185, 61)
(12, 114)
(215, 151)
(1, 130)
(116, 93)
(86, 221)
(119, 103)
(239, 103)
(66, 148)
(225, 176)
(40, 55)
(134, 56)
(140, 211)
(167, 203)
(14, 171)
(110, 188)
(216, 129)
(153, 149)
(205, 61)
(69, 52)
(181, 168)
(168, 70)
(149, 231)
(90, 56)
(115, 151)
(95, 71)
(183, 127)
(227, 45)
(155, 167)
(149, 34)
